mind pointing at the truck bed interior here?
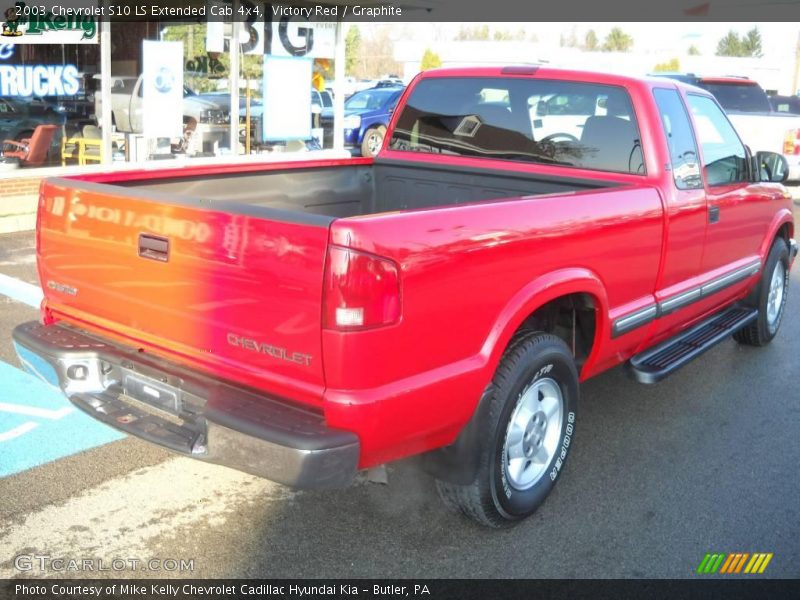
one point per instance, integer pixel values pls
(347, 191)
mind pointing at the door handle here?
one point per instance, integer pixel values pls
(713, 214)
(153, 247)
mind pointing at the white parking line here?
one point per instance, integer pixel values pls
(128, 516)
(21, 291)
(33, 411)
(6, 436)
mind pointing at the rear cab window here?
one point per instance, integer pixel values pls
(573, 124)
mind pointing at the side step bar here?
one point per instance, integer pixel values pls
(654, 364)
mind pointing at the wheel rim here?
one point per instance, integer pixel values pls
(776, 292)
(374, 143)
(533, 433)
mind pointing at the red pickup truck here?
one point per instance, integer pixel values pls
(522, 230)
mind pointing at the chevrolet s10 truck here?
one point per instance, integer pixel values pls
(302, 321)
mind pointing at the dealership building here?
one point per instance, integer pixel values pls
(78, 94)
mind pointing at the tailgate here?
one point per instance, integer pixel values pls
(234, 290)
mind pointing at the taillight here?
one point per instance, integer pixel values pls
(791, 142)
(361, 290)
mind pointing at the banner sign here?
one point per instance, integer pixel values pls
(287, 98)
(276, 30)
(251, 37)
(53, 24)
(296, 36)
(39, 80)
(162, 89)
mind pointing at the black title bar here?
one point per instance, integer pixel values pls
(411, 10)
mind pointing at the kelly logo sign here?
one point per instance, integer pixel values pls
(24, 24)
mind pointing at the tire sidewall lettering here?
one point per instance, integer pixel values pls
(512, 501)
(507, 489)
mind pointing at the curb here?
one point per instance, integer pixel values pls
(17, 223)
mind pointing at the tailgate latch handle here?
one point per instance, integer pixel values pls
(153, 247)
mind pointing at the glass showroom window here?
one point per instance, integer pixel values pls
(169, 96)
(46, 98)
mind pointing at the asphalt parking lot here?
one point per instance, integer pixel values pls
(706, 461)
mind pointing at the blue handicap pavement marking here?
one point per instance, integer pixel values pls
(39, 425)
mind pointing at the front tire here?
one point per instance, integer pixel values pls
(769, 298)
(373, 140)
(527, 435)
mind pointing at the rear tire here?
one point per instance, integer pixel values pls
(533, 401)
(769, 298)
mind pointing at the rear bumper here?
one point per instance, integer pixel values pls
(188, 412)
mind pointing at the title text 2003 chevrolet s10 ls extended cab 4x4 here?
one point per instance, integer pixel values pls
(303, 321)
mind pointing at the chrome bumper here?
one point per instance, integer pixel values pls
(188, 412)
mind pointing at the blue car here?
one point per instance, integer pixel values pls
(366, 115)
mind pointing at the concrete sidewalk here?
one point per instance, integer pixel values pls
(18, 200)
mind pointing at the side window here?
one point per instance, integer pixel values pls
(680, 139)
(724, 155)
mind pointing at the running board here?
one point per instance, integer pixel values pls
(654, 364)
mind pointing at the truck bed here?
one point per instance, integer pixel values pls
(345, 190)
(222, 268)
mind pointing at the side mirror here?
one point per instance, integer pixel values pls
(772, 167)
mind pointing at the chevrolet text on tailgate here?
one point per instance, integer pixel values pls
(522, 229)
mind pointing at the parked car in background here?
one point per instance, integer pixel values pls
(366, 115)
(785, 104)
(326, 99)
(750, 111)
(205, 122)
(19, 117)
(364, 84)
(348, 87)
(223, 101)
(689, 78)
(126, 106)
(318, 101)
(388, 82)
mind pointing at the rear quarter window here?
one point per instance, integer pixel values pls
(567, 123)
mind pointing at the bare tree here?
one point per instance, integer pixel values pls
(376, 56)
